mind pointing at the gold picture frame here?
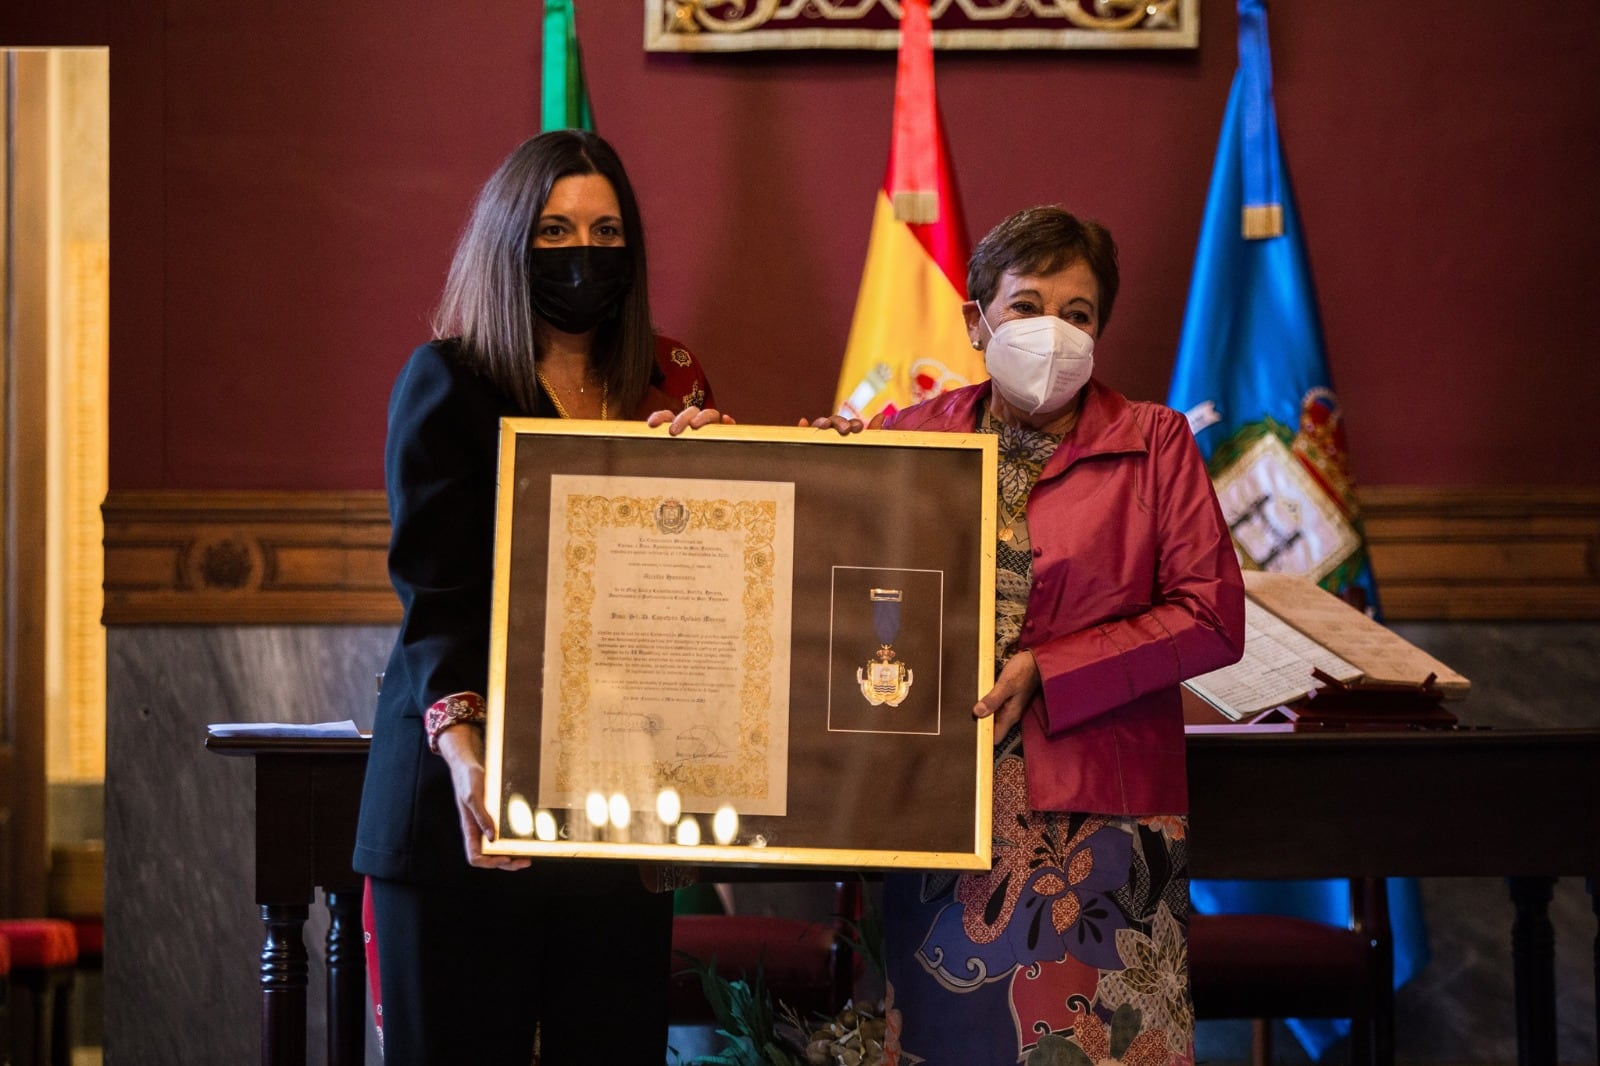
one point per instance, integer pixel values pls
(999, 25)
(753, 646)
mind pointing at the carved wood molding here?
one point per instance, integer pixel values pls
(321, 557)
(1515, 554)
(248, 557)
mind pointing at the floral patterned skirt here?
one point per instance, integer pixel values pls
(1071, 950)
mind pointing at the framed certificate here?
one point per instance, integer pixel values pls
(743, 645)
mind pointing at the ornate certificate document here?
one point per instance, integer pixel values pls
(666, 642)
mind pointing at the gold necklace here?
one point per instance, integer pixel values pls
(550, 391)
(1008, 530)
(1012, 518)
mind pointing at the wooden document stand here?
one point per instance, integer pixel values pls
(1363, 707)
(1313, 662)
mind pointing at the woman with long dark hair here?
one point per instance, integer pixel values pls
(545, 313)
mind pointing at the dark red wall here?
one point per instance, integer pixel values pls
(289, 178)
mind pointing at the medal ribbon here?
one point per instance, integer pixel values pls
(885, 614)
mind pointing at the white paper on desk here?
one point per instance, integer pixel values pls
(346, 728)
(1276, 667)
(1382, 655)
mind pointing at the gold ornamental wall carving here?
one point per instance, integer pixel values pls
(751, 25)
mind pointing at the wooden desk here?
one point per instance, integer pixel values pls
(1406, 804)
(1520, 805)
(1523, 805)
(308, 793)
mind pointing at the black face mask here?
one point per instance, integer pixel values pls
(575, 288)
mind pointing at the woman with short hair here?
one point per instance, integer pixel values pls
(1115, 581)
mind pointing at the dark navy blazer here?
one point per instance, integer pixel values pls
(440, 464)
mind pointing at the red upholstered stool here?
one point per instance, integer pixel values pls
(91, 935)
(795, 959)
(44, 952)
(1264, 966)
(76, 892)
(807, 965)
(5, 989)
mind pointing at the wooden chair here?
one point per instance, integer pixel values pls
(1262, 967)
(807, 965)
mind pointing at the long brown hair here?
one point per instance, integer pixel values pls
(485, 304)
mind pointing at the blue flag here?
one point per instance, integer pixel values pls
(1252, 376)
(1251, 372)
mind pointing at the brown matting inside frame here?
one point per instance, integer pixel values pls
(642, 580)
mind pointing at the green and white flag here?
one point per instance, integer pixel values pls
(564, 99)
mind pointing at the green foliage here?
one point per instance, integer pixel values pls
(757, 1031)
(866, 934)
(746, 1020)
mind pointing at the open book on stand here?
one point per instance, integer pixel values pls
(1312, 660)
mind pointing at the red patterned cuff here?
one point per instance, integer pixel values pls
(453, 710)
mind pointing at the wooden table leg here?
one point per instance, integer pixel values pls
(347, 972)
(283, 985)
(1593, 885)
(1534, 966)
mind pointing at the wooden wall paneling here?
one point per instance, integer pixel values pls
(247, 557)
(320, 557)
(1509, 554)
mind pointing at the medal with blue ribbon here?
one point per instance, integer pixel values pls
(885, 680)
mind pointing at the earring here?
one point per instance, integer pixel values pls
(977, 347)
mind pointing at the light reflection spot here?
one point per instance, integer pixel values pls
(621, 810)
(725, 824)
(544, 825)
(519, 815)
(669, 806)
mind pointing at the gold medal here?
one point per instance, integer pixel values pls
(885, 680)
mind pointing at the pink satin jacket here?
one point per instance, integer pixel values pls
(1135, 589)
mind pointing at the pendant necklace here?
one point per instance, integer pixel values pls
(550, 391)
(1009, 530)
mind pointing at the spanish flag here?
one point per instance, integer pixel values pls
(908, 340)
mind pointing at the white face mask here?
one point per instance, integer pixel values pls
(1039, 363)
